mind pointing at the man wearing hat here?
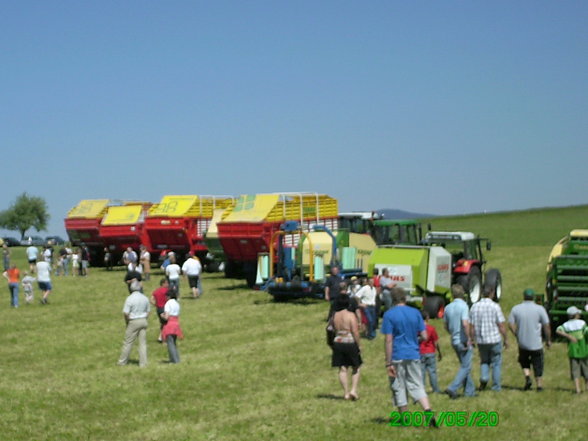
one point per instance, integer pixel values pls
(576, 332)
(526, 321)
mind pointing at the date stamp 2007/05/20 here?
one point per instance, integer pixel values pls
(444, 419)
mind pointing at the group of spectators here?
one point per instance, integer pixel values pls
(165, 300)
(411, 343)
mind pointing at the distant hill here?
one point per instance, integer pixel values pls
(392, 213)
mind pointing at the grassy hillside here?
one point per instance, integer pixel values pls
(253, 369)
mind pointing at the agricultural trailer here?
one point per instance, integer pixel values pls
(248, 228)
(82, 225)
(179, 223)
(123, 226)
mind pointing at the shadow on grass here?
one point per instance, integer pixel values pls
(380, 420)
(233, 287)
(330, 397)
(305, 301)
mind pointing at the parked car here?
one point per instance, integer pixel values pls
(11, 241)
(54, 240)
(33, 240)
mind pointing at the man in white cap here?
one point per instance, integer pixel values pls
(576, 332)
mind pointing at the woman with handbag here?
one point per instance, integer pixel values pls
(346, 347)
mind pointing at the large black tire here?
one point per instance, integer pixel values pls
(472, 284)
(212, 267)
(232, 269)
(433, 306)
(494, 280)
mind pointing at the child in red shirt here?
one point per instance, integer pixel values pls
(428, 348)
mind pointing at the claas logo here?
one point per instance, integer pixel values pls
(444, 267)
(398, 278)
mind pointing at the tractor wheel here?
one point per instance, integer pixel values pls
(494, 279)
(472, 284)
(434, 306)
(212, 267)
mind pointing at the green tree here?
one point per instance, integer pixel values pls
(26, 212)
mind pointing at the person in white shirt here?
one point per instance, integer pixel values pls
(44, 279)
(173, 271)
(171, 330)
(367, 302)
(192, 268)
(145, 261)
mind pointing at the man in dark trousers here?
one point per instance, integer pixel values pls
(333, 289)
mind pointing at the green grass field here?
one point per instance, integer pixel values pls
(253, 369)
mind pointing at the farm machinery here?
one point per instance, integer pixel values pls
(83, 226)
(124, 226)
(302, 272)
(248, 227)
(427, 271)
(179, 223)
(567, 276)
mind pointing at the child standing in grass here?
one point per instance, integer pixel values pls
(429, 349)
(576, 331)
(27, 286)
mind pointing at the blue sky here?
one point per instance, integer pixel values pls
(440, 107)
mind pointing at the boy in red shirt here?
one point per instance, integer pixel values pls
(158, 299)
(428, 348)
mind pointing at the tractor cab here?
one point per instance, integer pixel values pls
(397, 232)
(464, 247)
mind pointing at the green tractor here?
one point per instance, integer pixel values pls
(427, 271)
(567, 276)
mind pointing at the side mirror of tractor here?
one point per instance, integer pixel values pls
(488, 245)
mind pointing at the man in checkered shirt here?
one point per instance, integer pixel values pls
(489, 331)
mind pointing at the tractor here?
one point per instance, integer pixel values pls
(567, 276)
(427, 271)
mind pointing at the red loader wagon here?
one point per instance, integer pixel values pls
(247, 229)
(123, 226)
(179, 223)
(83, 224)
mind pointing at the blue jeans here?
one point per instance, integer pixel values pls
(13, 287)
(464, 375)
(491, 355)
(429, 364)
(370, 313)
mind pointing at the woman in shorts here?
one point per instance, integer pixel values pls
(346, 347)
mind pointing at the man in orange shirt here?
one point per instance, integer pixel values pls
(12, 274)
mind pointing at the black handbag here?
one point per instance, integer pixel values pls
(331, 332)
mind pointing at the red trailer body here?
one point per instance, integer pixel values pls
(247, 229)
(179, 223)
(123, 227)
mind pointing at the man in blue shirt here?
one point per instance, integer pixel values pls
(402, 325)
(457, 324)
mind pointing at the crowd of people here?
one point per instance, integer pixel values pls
(412, 344)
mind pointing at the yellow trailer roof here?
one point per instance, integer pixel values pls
(252, 208)
(89, 209)
(123, 215)
(276, 207)
(188, 205)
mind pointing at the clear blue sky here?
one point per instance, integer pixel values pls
(440, 107)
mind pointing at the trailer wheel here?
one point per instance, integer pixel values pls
(434, 306)
(494, 279)
(472, 284)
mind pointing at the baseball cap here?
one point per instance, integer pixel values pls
(572, 310)
(529, 293)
